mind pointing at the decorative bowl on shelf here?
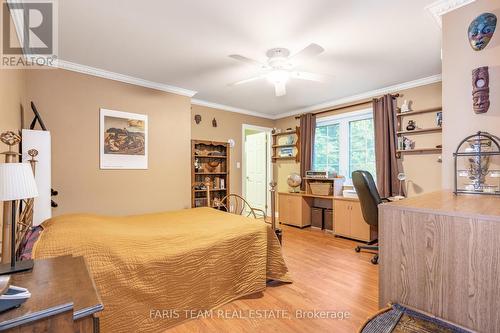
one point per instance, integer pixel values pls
(212, 165)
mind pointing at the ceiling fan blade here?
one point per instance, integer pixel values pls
(310, 51)
(246, 81)
(308, 76)
(280, 89)
(247, 60)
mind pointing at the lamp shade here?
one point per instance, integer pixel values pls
(17, 182)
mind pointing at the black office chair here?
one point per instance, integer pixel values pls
(369, 199)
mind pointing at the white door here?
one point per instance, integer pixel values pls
(256, 170)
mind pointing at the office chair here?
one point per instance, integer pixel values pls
(369, 200)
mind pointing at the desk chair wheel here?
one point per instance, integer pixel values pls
(375, 260)
(357, 249)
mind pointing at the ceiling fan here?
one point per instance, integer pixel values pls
(280, 67)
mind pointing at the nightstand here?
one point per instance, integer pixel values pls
(63, 299)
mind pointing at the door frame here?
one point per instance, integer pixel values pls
(269, 165)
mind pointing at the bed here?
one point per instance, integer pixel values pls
(153, 270)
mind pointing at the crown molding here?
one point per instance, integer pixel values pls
(441, 7)
(71, 66)
(231, 109)
(365, 95)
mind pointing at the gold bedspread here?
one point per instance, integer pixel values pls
(174, 262)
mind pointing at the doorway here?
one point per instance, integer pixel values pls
(256, 166)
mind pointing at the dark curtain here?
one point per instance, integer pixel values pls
(307, 133)
(384, 118)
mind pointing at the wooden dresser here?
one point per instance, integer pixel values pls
(63, 299)
(440, 254)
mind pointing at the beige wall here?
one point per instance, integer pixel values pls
(69, 104)
(423, 171)
(12, 89)
(459, 59)
(229, 126)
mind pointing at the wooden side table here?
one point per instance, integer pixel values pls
(63, 299)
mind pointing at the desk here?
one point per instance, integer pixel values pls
(295, 209)
(440, 254)
(63, 299)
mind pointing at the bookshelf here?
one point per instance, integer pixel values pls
(210, 160)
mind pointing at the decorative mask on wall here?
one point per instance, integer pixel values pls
(197, 119)
(481, 30)
(481, 89)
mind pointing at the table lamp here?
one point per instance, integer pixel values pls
(17, 182)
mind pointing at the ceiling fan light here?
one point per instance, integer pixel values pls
(278, 76)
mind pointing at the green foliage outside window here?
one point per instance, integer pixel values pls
(360, 144)
(327, 148)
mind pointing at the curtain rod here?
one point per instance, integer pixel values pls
(348, 106)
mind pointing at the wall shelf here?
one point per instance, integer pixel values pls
(284, 146)
(283, 157)
(285, 133)
(421, 131)
(401, 132)
(411, 113)
(276, 146)
(419, 151)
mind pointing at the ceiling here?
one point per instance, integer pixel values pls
(368, 45)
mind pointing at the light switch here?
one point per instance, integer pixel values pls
(238, 165)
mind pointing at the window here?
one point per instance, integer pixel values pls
(345, 143)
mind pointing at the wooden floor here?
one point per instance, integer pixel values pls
(328, 275)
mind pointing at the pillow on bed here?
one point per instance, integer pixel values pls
(28, 242)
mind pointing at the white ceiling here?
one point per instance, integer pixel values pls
(369, 45)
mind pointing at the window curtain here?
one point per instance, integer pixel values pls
(307, 134)
(384, 118)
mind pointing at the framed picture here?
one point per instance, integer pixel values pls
(123, 140)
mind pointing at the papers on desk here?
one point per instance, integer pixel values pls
(349, 194)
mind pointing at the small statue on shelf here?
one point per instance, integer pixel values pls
(439, 119)
(406, 107)
(408, 144)
(412, 125)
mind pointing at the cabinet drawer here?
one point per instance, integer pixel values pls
(359, 228)
(283, 212)
(342, 218)
(294, 210)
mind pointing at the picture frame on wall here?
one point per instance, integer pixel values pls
(123, 140)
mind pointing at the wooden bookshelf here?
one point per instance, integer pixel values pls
(276, 146)
(200, 156)
(209, 160)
